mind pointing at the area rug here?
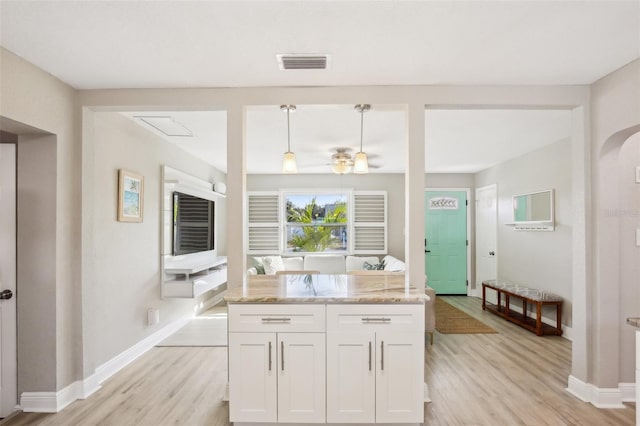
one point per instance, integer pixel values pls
(451, 320)
(207, 329)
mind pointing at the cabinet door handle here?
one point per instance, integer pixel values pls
(369, 356)
(282, 354)
(276, 319)
(269, 355)
(367, 319)
(382, 355)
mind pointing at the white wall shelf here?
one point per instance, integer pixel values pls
(533, 226)
(189, 277)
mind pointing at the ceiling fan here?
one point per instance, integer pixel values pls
(342, 161)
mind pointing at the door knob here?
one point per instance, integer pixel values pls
(6, 294)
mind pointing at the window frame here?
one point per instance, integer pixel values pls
(348, 192)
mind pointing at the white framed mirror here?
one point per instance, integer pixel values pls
(534, 211)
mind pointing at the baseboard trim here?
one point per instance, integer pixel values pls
(628, 391)
(601, 397)
(53, 402)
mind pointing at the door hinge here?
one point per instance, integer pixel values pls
(466, 202)
(467, 283)
(467, 242)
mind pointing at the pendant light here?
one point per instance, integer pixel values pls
(289, 160)
(361, 164)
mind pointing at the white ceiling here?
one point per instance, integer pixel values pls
(458, 141)
(126, 44)
(137, 44)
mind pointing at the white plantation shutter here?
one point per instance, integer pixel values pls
(263, 222)
(369, 222)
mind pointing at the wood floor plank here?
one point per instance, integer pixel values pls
(510, 378)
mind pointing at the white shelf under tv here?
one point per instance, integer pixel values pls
(191, 276)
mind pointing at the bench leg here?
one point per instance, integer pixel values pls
(539, 319)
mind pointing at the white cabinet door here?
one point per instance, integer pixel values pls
(399, 377)
(252, 377)
(351, 377)
(301, 377)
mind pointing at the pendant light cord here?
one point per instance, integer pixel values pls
(361, 126)
(288, 131)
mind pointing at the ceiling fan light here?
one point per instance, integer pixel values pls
(341, 167)
(361, 164)
(289, 163)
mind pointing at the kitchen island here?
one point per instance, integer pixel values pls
(326, 349)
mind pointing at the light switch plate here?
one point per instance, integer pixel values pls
(637, 174)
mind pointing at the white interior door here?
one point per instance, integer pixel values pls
(8, 366)
(486, 235)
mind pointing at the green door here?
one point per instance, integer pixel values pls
(446, 241)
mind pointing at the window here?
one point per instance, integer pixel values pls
(310, 221)
(316, 222)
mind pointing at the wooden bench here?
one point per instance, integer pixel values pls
(527, 296)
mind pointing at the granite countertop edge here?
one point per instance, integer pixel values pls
(634, 322)
(412, 300)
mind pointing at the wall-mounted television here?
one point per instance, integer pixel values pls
(193, 224)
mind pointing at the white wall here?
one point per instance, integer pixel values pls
(116, 303)
(628, 211)
(532, 258)
(615, 107)
(52, 335)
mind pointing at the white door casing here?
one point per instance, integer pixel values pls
(486, 235)
(8, 361)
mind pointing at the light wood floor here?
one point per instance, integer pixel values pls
(510, 378)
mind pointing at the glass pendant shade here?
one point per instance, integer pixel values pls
(361, 165)
(341, 168)
(289, 163)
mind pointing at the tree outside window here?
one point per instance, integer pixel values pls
(316, 223)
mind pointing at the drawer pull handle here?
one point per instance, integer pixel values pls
(382, 355)
(367, 319)
(269, 355)
(282, 353)
(369, 356)
(276, 319)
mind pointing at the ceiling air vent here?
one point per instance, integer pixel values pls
(303, 62)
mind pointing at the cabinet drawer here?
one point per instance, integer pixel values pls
(276, 318)
(375, 317)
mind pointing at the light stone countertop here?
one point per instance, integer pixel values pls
(325, 288)
(634, 322)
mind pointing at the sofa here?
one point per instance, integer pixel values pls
(339, 264)
(322, 263)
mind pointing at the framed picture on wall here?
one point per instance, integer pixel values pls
(130, 196)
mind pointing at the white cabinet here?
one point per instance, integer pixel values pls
(375, 356)
(295, 363)
(399, 382)
(301, 377)
(351, 377)
(277, 363)
(252, 365)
